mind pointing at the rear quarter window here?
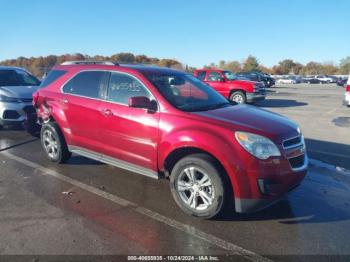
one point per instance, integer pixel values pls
(52, 77)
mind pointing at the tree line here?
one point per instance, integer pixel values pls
(286, 66)
(39, 66)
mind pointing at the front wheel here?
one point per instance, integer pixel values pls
(54, 143)
(238, 97)
(197, 186)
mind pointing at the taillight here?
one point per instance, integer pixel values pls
(347, 88)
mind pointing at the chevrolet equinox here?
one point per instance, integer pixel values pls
(161, 122)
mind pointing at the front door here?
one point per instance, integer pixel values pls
(130, 134)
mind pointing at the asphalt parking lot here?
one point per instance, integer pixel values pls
(85, 207)
(318, 109)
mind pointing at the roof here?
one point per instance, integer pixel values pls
(142, 68)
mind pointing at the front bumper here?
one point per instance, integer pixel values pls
(279, 190)
(14, 113)
(261, 183)
(254, 97)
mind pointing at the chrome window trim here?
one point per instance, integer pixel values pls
(101, 99)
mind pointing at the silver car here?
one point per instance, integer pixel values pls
(16, 89)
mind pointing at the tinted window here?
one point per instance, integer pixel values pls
(122, 86)
(89, 84)
(51, 77)
(201, 75)
(17, 78)
(214, 76)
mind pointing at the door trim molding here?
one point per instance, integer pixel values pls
(113, 161)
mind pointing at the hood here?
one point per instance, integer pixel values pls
(18, 91)
(255, 120)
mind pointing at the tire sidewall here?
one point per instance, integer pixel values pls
(216, 180)
(244, 100)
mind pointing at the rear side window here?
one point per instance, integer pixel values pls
(201, 75)
(51, 77)
(88, 84)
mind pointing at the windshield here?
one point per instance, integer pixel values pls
(17, 78)
(230, 75)
(186, 92)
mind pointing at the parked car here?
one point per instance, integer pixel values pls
(16, 89)
(324, 79)
(347, 93)
(342, 82)
(286, 80)
(310, 80)
(163, 122)
(231, 86)
(258, 77)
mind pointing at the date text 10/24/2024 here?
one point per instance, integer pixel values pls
(173, 258)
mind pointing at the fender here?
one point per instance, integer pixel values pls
(206, 141)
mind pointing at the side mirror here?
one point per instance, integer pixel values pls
(143, 102)
(222, 79)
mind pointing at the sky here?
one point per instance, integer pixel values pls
(196, 32)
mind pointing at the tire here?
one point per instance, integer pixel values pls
(54, 143)
(239, 97)
(207, 201)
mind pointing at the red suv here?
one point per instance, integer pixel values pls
(231, 86)
(161, 122)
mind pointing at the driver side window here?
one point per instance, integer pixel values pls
(214, 76)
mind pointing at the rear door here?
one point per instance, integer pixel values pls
(81, 101)
(130, 134)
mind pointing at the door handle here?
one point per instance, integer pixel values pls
(106, 112)
(64, 101)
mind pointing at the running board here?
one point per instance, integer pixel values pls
(113, 161)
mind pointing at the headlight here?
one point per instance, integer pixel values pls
(9, 99)
(259, 146)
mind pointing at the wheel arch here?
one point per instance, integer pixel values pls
(179, 153)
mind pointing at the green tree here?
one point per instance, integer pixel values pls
(344, 67)
(251, 64)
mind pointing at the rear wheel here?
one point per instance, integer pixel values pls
(54, 143)
(197, 186)
(238, 97)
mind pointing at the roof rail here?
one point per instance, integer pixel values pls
(89, 62)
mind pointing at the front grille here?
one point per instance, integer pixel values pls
(297, 162)
(29, 110)
(11, 114)
(26, 100)
(292, 142)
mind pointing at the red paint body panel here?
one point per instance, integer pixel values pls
(225, 88)
(146, 139)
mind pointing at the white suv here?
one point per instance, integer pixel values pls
(16, 89)
(347, 93)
